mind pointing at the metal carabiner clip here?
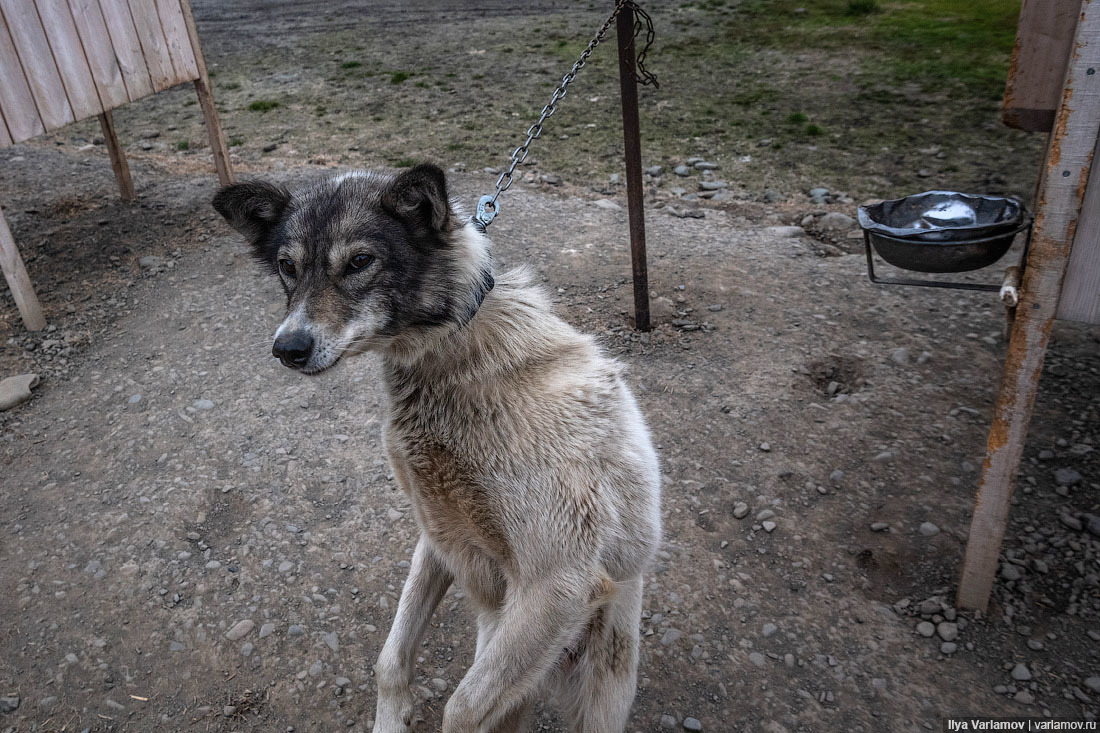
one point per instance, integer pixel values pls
(487, 210)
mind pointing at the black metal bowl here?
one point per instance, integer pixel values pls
(943, 256)
(943, 231)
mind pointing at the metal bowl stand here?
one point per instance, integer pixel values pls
(944, 283)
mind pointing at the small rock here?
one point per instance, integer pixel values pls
(682, 170)
(229, 710)
(757, 659)
(393, 515)
(765, 447)
(286, 566)
(692, 723)
(204, 405)
(715, 308)
(764, 514)
(668, 722)
(927, 529)
(240, 629)
(10, 703)
(1024, 697)
(819, 193)
(947, 630)
(332, 641)
(670, 637)
(439, 684)
(607, 204)
(949, 647)
(1010, 572)
(654, 170)
(1093, 683)
(884, 457)
(834, 221)
(270, 147)
(713, 185)
(706, 165)
(740, 510)
(788, 232)
(769, 630)
(768, 526)
(295, 630)
(246, 649)
(1092, 523)
(1072, 522)
(900, 356)
(926, 629)
(836, 476)
(267, 630)
(879, 526)
(341, 682)
(148, 262)
(1021, 673)
(1067, 477)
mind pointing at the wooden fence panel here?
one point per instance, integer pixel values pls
(68, 55)
(153, 45)
(38, 64)
(100, 53)
(20, 111)
(124, 39)
(179, 44)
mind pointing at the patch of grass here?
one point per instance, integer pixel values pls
(797, 118)
(231, 85)
(183, 145)
(262, 105)
(399, 77)
(236, 142)
(422, 84)
(320, 110)
(861, 7)
(404, 162)
(351, 65)
(814, 130)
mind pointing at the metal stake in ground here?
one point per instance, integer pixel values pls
(632, 141)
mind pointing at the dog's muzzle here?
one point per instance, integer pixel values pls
(293, 349)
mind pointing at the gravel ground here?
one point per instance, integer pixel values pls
(194, 538)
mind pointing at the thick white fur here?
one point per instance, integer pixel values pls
(536, 488)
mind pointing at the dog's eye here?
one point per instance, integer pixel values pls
(359, 262)
(287, 266)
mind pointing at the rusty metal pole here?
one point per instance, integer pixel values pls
(1061, 192)
(632, 139)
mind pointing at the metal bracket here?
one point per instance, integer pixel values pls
(487, 210)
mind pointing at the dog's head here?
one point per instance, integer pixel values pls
(364, 258)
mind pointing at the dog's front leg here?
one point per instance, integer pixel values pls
(539, 618)
(427, 582)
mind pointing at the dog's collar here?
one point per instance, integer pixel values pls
(486, 284)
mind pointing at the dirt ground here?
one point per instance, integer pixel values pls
(821, 438)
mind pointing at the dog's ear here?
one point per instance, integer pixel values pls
(253, 208)
(418, 197)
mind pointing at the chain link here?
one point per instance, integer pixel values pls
(487, 207)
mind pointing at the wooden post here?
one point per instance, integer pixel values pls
(632, 139)
(1061, 191)
(206, 101)
(18, 280)
(118, 157)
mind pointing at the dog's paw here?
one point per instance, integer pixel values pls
(394, 715)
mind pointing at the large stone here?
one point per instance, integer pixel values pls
(835, 221)
(240, 629)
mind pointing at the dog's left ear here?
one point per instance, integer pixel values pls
(253, 208)
(418, 197)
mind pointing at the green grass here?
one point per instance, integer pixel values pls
(262, 105)
(797, 118)
(183, 145)
(399, 76)
(236, 142)
(404, 162)
(351, 65)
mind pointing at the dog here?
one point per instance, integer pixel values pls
(524, 455)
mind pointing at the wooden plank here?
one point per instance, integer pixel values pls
(5, 136)
(68, 55)
(153, 46)
(1038, 68)
(16, 100)
(1061, 190)
(38, 63)
(179, 43)
(206, 101)
(124, 40)
(100, 53)
(118, 157)
(19, 281)
(1081, 289)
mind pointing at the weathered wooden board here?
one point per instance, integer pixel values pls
(1043, 38)
(100, 53)
(153, 45)
(37, 61)
(5, 137)
(20, 113)
(179, 43)
(1081, 289)
(124, 39)
(68, 55)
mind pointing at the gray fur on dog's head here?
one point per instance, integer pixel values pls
(364, 257)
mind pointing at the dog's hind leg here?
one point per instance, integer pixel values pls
(427, 582)
(519, 720)
(538, 618)
(597, 692)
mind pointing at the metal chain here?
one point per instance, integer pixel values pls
(487, 207)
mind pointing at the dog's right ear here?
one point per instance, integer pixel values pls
(253, 208)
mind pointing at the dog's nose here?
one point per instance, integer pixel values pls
(293, 349)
